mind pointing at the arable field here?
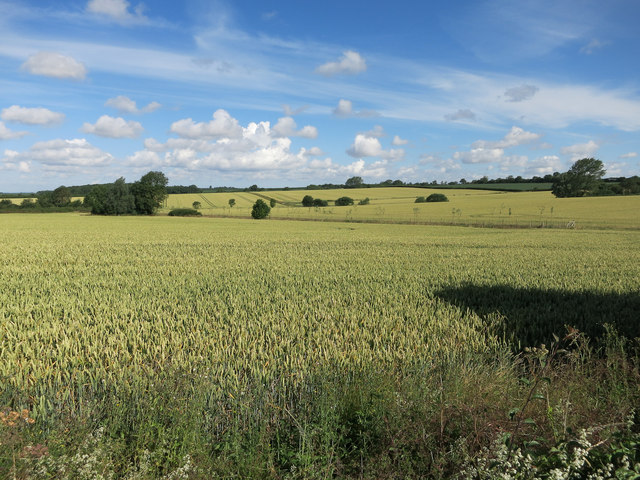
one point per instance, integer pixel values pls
(161, 347)
(465, 207)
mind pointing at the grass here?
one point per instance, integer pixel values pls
(465, 207)
(255, 349)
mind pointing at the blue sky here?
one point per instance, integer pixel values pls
(291, 93)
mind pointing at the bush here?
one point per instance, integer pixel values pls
(437, 197)
(260, 209)
(272, 202)
(307, 201)
(364, 202)
(318, 202)
(344, 201)
(185, 212)
(420, 200)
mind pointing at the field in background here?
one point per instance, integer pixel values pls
(465, 207)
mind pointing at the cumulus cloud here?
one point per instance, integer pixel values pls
(126, 105)
(286, 127)
(399, 141)
(465, 114)
(31, 116)
(369, 146)
(629, 155)
(10, 161)
(345, 110)
(56, 65)
(521, 93)
(145, 158)
(111, 127)
(117, 10)
(480, 155)
(580, 150)
(350, 63)
(545, 165)
(8, 134)
(516, 136)
(66, 153)
(222, 125)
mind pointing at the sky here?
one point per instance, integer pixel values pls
(291, 93)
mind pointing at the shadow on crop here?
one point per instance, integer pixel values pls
(532, 316)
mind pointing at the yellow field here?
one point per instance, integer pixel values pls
(465, 207)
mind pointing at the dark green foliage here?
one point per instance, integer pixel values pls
(272, 202)
(344, 202)
(353, 182)
(420, 200)
(307, 201)
(119, 198)
(232, 202)
(630, 186)
(260, 209)
(61, 197)
(5, 203)
(184, 212)
(196, 205)
(150, 192)
(437, 197)
(318, 202)
(582, 179)
(364, 201)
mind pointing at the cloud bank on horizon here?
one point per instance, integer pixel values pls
(222, 94)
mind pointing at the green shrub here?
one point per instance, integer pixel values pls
(307, 201)
(420, 200)
(344, 201)
(364, 201)
(260, 209)
(318, 202)
(184, 212)
(437, 197)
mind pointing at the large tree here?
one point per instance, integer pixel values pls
(150, 192)
(353, 182)
(580, 180)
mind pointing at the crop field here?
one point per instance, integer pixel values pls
(465, 207)
(220, 340)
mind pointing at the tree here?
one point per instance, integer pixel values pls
(353, 182)
(61, 196)
(437, 197)
(112, 199)
(253, 188)
(583, 178)
(260, 209)
(196, 205)
(272, 202)
(318, 202)
(344, 201)
(149, 192)
(232, 202)
(307, 201)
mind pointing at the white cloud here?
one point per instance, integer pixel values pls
(592, 46)
(117, 10)
(521, 93)
(52, 64)
(399, 141)
(350, 63)
(66, 153)
(126, 105)
(629, 155)
(545, 165)
(31, 116)
(9, 161)
(377, 131)
(111, 127)
(8, 134)
(222, 125)
(345, 110)
(145, 158)
(480, 155)
(580, 150)
(516, 136)
(290, 112)
(364, 146)
(286, 127)
(465, 114)
(369, 146)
